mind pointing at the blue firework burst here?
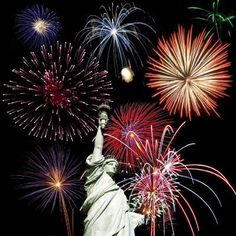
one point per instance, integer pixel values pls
(37, 25)
(117, 35)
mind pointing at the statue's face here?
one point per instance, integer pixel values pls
(103, 119)
(111, 168)
(103, 115)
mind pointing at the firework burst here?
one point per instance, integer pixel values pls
(117, 34)
(190, 75)
(152, 197)
(53, 176)
(37, 25)
(160, 186)
(55, 96)
(130, 119)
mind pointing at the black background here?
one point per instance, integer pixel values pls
(215, 137)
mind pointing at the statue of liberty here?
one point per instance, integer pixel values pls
(106, 204)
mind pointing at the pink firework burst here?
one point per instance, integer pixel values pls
(130, 119)
(161, 185)
(152, 195)
(190, 74)
(56, 94)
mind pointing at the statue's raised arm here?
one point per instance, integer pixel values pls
(99, 139)
(98, 145)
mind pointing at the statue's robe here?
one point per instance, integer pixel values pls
(106, 204)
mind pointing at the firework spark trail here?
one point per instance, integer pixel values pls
(37, 25)
(55, 96)
(190, 74)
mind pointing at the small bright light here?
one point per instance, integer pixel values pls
(155, 172)
(148, 212)
(114, 31)
(131, 135)
(57, 184)
(168, 166)
(127, 74)
(40, 26)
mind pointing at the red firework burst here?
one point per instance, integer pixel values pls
(56, 94)
(190, 74)
(130, 119)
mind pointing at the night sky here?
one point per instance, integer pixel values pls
(214, 136)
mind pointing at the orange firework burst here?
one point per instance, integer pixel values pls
(190, 74)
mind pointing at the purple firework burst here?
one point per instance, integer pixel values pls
(52, 175)
(55, 95)
(37, 25)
